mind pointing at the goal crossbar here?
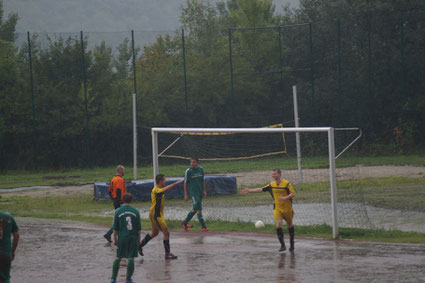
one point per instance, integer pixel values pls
(331, 151)
(242, 130)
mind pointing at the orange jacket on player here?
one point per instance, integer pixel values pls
(117, 187)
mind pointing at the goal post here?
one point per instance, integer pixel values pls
(331, 152)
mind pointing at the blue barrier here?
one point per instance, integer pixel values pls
(141, 190)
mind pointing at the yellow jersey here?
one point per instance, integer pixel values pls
(157, 204)
(282, 189)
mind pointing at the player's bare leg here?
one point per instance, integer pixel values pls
(279, 232)
(166, 235)
(149, 236)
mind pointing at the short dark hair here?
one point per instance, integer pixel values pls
(159, 178)
(278, 171)
(195, 158)
(127, 198)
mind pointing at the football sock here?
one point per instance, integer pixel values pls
(280, 236)
(130, 268)
(115, 268)
(145, 240)
(201, 220)
(291, 235)
(167, 246)
(109, 233)
(188, 217)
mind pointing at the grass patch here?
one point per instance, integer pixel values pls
(401, 193)
(13, 179)
(78, 207)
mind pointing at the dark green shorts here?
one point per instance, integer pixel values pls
(127, 247)
(197, 203)
(5, 263)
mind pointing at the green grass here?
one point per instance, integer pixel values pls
(81, 207)
(402, 193)
(13, 179)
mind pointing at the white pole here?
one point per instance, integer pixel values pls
(243, 130)
(331, 144)
(134, 139)
(297, 135)
(155, 153)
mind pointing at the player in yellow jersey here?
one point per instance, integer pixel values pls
(282, 193)
(156, 215)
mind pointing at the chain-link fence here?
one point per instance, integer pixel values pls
(71, 105)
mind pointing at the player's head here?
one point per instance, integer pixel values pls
(127, 198)
(194, 162)
(276, 173)
(120, 170)
(160, 180)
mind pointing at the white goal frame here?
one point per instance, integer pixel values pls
(331, 151)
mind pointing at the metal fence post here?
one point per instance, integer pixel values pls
(184, 73)
(339, 72)
(313, 94)
(134, 109)
(34, 122)
(83, 67)
(402, 57)
(231, 73)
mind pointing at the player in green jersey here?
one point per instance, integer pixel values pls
(127, 230)
(8, 228)
(194, 186)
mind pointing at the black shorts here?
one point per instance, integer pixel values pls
(116, 202)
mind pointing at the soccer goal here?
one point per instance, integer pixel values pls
(206, 148)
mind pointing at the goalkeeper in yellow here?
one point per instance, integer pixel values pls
(282, 193)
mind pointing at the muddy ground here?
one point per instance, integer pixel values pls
(63, 251)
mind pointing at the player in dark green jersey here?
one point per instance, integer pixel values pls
(194, 186)
(8, 228)
(127, 230)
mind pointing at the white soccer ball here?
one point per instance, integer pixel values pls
(259, 224)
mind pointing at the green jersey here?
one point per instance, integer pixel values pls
(194, 179)
(127, 221)
(7, 227)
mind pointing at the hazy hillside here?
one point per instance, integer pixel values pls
(99, 15)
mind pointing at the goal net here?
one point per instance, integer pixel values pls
(248, 156)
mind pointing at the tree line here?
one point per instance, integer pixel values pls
(356, 63)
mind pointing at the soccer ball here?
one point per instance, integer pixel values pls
(259, 224)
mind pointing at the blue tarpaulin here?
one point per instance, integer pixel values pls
(141, 190)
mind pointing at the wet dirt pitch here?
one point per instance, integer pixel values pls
(62, 251)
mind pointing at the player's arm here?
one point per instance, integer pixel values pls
(249, 191)
(291, 193)
(115, 227)
(205, 188)
(266, 188)
(186, 196)
(116, 236)
(164, 189)
(15, 243)
(138, 228)
(110, 189)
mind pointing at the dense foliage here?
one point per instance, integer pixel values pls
(368, 69)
